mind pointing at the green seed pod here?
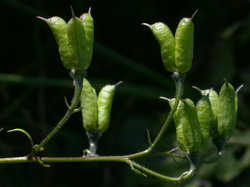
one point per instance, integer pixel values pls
(89, 107)
(166, 40)
(77, 42)
(74, 39)
(176, 51)
(88, 24)
(184, 42)
(205, 117)
(188, 132)
(59, 29)
(178, 116)
(104, 102)
(226, 111)
(214, 100)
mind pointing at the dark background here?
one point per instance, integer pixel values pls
(124, 50)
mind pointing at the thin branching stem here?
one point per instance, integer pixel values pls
(77, 82)
(179, 87)
(125, 159)
(128, 159)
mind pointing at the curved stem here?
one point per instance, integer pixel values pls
(179, 87)
(77, 82)
(183, 176)
(78, 78)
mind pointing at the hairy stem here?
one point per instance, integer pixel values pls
(128, 159)
(125, 159)
(178, 79)
(179, 86)
(77, 82)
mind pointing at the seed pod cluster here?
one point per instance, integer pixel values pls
(74, 39)
(176, 51)
(96, 110)
(213, 116)
(224, 109)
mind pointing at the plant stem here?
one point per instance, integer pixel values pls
(77, 82)
(179, 86)
(78, 78)
(125, 159)
(183, 176)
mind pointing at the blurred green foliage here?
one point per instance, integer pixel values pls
(31, 95)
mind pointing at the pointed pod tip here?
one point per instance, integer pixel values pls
(118, 83)
(39, 17)
(146, 24)
(239, 88)
(196, 88)
(89, 11)
(225, 80)
(72, 11)
(195, 12)
(164, 98)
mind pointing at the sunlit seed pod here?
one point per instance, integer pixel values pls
(59, 28)
(184, 44)
(88, 24)
(104, 102)
(166, 40)
(74, 39)
(77, 42)
(89, 107)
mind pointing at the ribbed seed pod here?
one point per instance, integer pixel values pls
(77, 42)
(214, 100)
(89, 107)
(59, 28)
(188, 132)
(226, 111)
(104, 102)
(205, 117)
(176, 51)
(166, 40)
(88, 24)
(74, 39)
(184, 42)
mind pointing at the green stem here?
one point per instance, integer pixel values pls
(78, 77)
(134, 166)
(179, 86)
(122, 158)
(77, 82)
(185, 175)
